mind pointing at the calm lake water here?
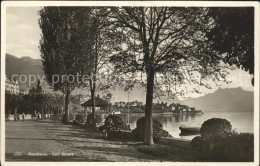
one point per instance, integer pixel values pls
(241, 121)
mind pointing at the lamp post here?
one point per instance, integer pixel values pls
(128, 108)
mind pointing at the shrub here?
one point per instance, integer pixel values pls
(115, 122)
(223, 144)
(89, 120)
(197, 143)
(236, 147)
(80, 118)
(71, 117)
(157, 134)
(215, 127)
(158, 131)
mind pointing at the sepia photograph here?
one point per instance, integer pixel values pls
(130, 82)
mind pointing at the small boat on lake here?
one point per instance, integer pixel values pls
(116, 113)
(189, 130)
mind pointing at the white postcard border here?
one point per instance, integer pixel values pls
(131, 3)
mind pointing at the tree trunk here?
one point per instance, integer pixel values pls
(148, 135)
(67, 108)
(92, 89)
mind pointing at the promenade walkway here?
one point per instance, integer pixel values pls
(50, 140)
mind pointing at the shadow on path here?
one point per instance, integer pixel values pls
(53, 136)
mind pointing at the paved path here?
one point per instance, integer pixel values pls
(33, 140)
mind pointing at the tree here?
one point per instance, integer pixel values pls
(59, 48)
(92, 57)
(59, 102)
(162, 42)
(52, 103)
(232, 34)
(109, 97)
(12, 101)
(96, 41)
(38, 88)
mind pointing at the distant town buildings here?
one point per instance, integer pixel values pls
(130, 104)
(160, 106)
(120, 104)
(11, 86)
(136, 106)
(179, 108)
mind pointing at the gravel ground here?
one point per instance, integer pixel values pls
(50, 140)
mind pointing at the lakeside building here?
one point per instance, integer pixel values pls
(136, 103)
(178, 108)
(130, 104)
(120, 104)
(24, 92)
(11, 86)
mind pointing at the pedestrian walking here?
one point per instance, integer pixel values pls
(39, 115)
(23, 116)
(15, 114)
(36, 115)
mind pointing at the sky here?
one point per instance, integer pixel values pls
(23, 32)
(23, 35)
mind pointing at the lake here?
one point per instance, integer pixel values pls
(241, 121)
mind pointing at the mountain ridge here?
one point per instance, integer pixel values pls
(228, 99)
(25, 66)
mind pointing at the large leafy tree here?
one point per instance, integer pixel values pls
(12, 102)
(96, 41)
(52, 103)
(164, 42)
(59, 48)
(232, 34)
(75, 41)
(89, 51)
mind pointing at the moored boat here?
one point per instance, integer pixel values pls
(116, 113)
(189, 129)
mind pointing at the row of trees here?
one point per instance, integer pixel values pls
(156, 42)
(75, 41)
(33, 103)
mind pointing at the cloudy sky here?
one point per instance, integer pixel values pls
(23, 35)
(23, 32)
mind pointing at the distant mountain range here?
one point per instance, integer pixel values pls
(25, 66)
(228, 100)
(235, 99)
